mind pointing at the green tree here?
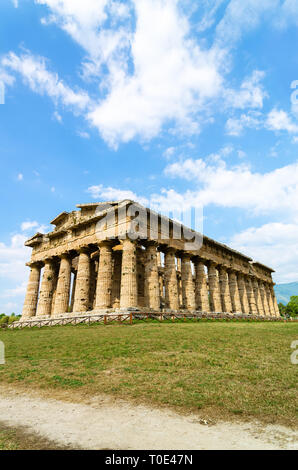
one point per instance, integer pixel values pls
(292, 307)
(282, 309)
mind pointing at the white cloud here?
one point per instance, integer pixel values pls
(243, 16)
(250, 95)
(276, 120)
(13, 270)
(15, 3)
(169, 152)
(172, 77)
(6, 78)
(114, 194)
(151, 77)
(19, 290)
(238, 187)
(40, 80)
(98, 26)
(251, 120)
(20, 177)
(288, 14)
(30, 225)
(57, 116)
(13, 273)
(279, 120)
(83, 134)
(274, 244)
(13, 258)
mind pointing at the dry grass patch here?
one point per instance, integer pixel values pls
(21, 439)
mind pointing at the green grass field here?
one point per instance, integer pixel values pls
(221, 370)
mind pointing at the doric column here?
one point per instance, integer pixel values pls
(258, 298)
(234, 292)
(214, 292)
(274, 301)
(188, 288)
(129, 292)
(56, 272)
(269, 300)
(152, 295)
(243, 294)
(81, 300)
(73, 290)
(141, 260)
(264, 299)
(104, 276)
(161, 284)
(117, 257)
(171, 283)
(251, 296)
(30, 304)
(63, 286)
(224, 290)
(47, 289)
(180, 296)
(201, 287)
(93, 282)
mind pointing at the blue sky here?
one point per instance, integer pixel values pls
(173, 103)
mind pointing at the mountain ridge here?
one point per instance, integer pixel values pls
(284, 292)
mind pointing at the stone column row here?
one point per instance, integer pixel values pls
(217, 290)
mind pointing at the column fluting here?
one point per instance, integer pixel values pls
(258, 298)
(188, 288)
(31, 299)
(152, 287)
(61, 303)
(201, 287)
(264, 299)
(234, 292)
(251, 296)
(129, 291)
(243, 294)
(81, 296)
(47, 289)
(104, 276)
(214, 291)
(117, 258)
(171, 282)
(224, 290)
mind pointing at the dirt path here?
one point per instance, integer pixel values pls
(106, 425)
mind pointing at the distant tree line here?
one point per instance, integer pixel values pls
(291, 309)
(7, 319)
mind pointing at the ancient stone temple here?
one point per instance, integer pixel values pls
(104, 258)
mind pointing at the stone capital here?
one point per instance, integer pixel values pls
(184, 255)
(222, 267)
(106, 243)
(83, 249)
(35, 264)
(212, 264)
(150, 243)
(169, 250)
(65, 255)
(50, 260)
